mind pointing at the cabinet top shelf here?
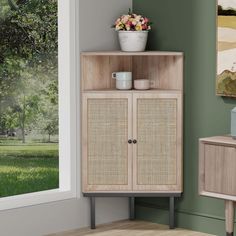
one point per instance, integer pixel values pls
(169, 91)
(221, 140)
(120, 53)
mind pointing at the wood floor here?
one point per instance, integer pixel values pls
(131, 228)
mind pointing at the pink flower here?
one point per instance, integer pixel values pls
(117, 21)
(146, 20)
(125, 19)
(129, 23)
(132, 22)
(144, 27)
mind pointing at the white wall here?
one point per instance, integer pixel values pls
(96, 18)
(93, 33)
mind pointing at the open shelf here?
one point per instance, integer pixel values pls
(163, 69)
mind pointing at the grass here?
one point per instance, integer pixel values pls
(227, 21)
(26, 168)
(222, 46)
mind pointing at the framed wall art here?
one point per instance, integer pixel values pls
(226, 48)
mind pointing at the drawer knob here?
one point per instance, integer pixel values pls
(134, 141)
(130, 141)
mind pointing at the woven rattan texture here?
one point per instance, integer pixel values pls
(156, 154)
(107, 141)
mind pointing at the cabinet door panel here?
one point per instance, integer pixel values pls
(220, 164)
(158, 153)
(107, 155)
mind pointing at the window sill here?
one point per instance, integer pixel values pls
(36, 198)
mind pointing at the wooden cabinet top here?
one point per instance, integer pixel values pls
(220, 140)
(120, 53)
(155, 91)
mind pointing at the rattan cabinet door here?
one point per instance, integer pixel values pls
(106, 129)
(157, 154)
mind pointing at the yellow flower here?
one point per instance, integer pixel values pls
(120, 26)
(138, 27)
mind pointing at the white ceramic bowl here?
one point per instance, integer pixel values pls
(141, 84)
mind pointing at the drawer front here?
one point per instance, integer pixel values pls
(220, 169)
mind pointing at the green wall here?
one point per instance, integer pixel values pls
(190, 26)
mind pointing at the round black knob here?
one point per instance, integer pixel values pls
(129, 141)
(134, 141)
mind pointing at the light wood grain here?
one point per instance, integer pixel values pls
(133, 91)
(165, 71)
(217, 175)
(134, 228)
(220, 173)
(95, 72)
(225, 140)
(120, 53)
(229, 216)
(218, 195)
(166, 176)
(201, 168)
(217, 164)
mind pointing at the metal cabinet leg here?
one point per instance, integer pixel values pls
(172, 213)
(92, 213)
(132, 208)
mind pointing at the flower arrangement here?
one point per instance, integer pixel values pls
(132, 22)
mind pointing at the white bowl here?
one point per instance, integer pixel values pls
(141, 84)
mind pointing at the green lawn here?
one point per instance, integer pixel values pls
(26, 168)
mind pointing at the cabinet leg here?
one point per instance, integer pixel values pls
(229, 217)
(132, 208)
(92, 213)
(172, 212)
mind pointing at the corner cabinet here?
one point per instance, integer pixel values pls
(132, 139)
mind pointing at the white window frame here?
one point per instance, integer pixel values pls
(67, 116)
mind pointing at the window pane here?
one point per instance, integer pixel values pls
(28, 96)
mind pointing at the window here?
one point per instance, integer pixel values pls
(37, 151)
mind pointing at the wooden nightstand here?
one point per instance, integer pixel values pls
(217, 173)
